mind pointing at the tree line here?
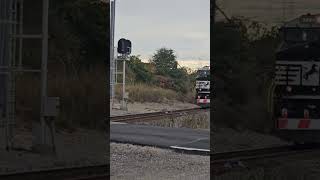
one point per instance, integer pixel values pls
(162, 67)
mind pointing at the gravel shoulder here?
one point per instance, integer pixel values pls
(130, 162)
(227, 139)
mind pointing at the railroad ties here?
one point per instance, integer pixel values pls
(97, 172)
(224, 161)
(156, 115)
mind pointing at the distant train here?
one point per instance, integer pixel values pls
(203, 87)
(295, 94)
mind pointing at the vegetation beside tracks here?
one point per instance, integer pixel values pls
(243, 67)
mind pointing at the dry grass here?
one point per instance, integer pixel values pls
(82, 96)
(195, 121)
(148, 93)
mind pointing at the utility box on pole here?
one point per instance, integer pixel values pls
(52, 107)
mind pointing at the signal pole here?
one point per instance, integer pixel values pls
(212, 19)
(124, 48)
(44, 67)
(112, 59)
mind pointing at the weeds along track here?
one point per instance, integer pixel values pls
(223, 161)
(99, 172)
(157, 115)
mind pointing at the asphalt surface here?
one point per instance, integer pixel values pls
(173, 138)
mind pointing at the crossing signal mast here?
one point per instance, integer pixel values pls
(119, 54)
(124, 50)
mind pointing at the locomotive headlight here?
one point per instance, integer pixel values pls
(284, 112)
(318, 19)
(289, 88)
(306, 113)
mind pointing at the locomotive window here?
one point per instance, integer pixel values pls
(203, 74)
(293, 35)
(298, 35)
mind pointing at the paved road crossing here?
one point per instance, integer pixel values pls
(175, 138)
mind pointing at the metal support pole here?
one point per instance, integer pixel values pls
(213, 45)
(9, 78)
(124, 83)
(44, 66)
(112, 59)
(20, 32)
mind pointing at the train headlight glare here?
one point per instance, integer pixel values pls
(284, 112)
(318, 19)
(289, 88)
(306, 113)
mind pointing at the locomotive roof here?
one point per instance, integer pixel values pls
(205, 68)
(300, 22)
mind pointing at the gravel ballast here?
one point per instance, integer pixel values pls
(129, 162)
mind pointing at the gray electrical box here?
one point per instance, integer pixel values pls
(52, 107)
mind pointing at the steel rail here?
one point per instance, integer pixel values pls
(155, 115)
(74, 173)
(260, 152)
(221, 161)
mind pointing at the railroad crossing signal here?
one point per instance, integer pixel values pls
(124, 46)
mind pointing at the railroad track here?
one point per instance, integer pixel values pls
(156, 115)
(99, 172)
(236, 159)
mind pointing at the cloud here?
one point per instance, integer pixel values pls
(182, 25)
(193, 63)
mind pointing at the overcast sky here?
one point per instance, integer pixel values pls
(182, 25)
(270, 12)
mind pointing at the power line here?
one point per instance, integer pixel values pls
(222, 12)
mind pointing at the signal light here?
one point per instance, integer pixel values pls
(124, 46)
